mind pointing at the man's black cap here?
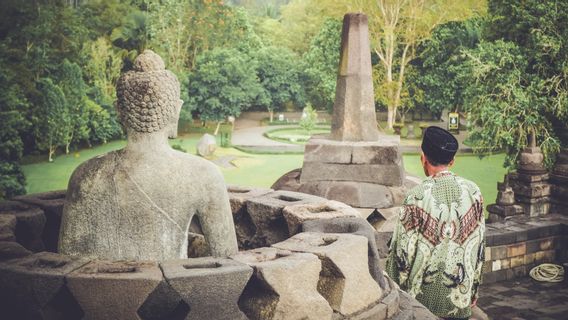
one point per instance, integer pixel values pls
(439, 145)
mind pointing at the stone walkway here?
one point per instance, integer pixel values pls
(249, 135)
(524, 298)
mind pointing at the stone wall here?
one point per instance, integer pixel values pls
(255, 284)
(519, 244)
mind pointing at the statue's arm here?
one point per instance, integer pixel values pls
(217, 220)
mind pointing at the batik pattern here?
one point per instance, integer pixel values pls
(436, 252)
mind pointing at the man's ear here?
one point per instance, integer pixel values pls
(451, 163)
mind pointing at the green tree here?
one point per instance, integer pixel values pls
(52, 118)
(320, 65)
(12, 180)
(505, 102)
(223, 84)
(280, 78)
(439, 65)
(99, 123)
(73, 86)
(518, 78)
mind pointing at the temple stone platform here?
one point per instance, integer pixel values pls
(300, 257)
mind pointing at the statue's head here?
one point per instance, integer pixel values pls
(148, 97)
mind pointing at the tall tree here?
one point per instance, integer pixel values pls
(320, 65)
(439, 65)
(52, 118)
(223, 84)
(74, 89)
(280, 78)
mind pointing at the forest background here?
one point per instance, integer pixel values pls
(503, 63)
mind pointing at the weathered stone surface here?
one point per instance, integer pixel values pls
(210, 286)
(164, 303)
(355, 226)
(389, 175)
(197, 246)
(12, 250)
(354, 116)
(266, 214)
(345, 280)
(206, 145)
(283, 286)
(52, 205)
(328, 151)
(7, 227)
(290, 181)
(33, 287)
(121, 287)
(30, 223)
(295, 215)
(409, 305)
(137, 203)
(244, 225)
(531, 160)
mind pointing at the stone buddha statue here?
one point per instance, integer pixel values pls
(137, 203)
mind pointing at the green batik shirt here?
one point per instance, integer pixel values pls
(437, 249)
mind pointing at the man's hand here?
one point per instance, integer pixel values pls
(473, 302)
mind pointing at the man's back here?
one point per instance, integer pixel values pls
(437, 247)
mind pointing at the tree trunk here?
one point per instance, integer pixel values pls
(217, 128)
(271, 113)
(51, 152)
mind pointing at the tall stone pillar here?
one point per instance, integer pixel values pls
(353, 164)
(354, 117)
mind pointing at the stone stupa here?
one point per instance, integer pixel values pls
(354, 164)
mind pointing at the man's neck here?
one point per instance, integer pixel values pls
(432, 171)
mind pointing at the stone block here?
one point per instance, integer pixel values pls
(496, 265)
(506, 263)
(376, 153)
(545, 256)
(389, 174)
(517, 249)
(244, 226)
(7, 227)
(12, 250)
(392, 302)
(211, 287)
(283, 286)
(498, 253)
(345, 279)
(164, 303)
(52, 205)
(356, 194)
(30, 223)
(121, 287)
(297, 214)
(546, 244)
(530, 258)
(534, 190)
(266, 214)
(328, 151)
(289, 181)
(206, 145)
(360, 227)
(517, 261)
(33, 287)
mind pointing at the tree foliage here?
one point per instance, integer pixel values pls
(440, 73)
(280, 78)
(320, 65)
(223, 84)
(518, 78)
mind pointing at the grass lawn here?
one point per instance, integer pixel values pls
(259, 170)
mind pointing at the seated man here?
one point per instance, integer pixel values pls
(137, 203)
(436, 253)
